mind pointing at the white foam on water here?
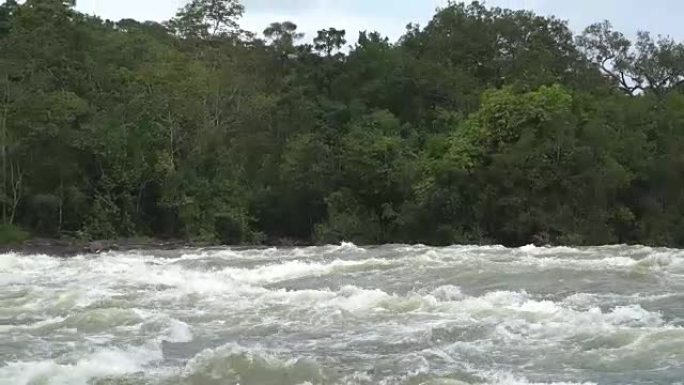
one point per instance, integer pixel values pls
(232, 363)
(19, 269)
(294, 269)
(531, 249)
(671, 261)
(634, 315)
(117, 270)
(587, 300)
(411, 248)
(347, 247)
(544, 258)
(93, 297)
(189, 281)
(517, 314)
(448, 293)
(561, 257)
(504, 378)
(543, 250)
(178, 331)
(608, 263)
(506, 305)
(15, 263)
(348, 298)
(101, 364)
(207, 254)
(352, 298)
(39, 324)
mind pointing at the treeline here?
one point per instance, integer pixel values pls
(485, 126)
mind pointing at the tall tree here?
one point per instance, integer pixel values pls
(283, 36)
(647, 65)
(202, 19)
(329, 40)
(486, 125)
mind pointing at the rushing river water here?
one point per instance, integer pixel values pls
(345, 315)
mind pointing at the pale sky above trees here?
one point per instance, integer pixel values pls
(391, 16)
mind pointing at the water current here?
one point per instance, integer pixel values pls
(344, 314)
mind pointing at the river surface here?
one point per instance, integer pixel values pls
(345, 315)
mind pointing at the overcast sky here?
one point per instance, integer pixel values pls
(389, 17)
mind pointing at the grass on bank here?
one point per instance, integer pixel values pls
(11, 235)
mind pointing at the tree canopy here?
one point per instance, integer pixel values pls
(487, 125)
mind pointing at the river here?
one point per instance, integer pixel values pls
(345, 315)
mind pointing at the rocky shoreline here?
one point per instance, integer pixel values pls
(70, 248)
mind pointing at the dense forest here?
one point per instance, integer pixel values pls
(486, 125)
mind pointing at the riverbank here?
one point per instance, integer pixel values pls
(70, 247)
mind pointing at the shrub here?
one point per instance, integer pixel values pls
(10, 234)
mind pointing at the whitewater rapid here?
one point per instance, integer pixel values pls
(344, 314)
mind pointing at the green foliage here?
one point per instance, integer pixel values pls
(329, 40)
(283, 36)
(348, 221)
(487, 125)
(647, 65)
(12, 235)
(201, 19)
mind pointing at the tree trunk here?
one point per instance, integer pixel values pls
(217, 110)
(172, 145)
(3, 146)
(16, 181)
(61, 206)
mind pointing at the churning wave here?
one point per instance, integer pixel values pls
(343, 314)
